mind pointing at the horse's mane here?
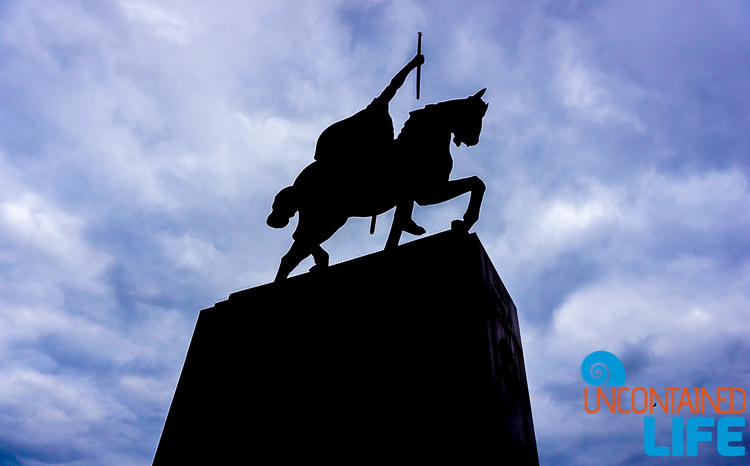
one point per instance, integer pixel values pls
(431, 116)
(421, 119)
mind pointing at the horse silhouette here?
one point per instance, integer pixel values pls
(358, 182)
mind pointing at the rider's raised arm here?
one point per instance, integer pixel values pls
(399, 79)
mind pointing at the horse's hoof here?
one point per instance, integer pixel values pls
(461, 226)
(413, 229)
(317, 268)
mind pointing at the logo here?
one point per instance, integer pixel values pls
(602, 368)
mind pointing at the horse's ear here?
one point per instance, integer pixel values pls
(479, 94)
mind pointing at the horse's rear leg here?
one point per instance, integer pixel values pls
(291, 259)
(313, 229)
(321, 259)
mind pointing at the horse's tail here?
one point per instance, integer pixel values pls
(284, 208)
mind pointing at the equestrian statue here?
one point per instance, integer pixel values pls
(361, 171)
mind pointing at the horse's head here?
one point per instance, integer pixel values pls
(467, 123)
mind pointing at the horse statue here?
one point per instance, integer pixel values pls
(415, 167)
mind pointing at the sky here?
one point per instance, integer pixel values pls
(142, 143)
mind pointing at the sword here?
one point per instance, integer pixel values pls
(419, 68)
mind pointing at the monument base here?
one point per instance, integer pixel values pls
(411, 355)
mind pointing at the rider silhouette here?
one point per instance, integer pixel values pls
(369, 134)
(371, 128)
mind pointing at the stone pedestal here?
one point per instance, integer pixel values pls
(412, 355)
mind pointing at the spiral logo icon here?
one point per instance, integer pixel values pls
(603, 368)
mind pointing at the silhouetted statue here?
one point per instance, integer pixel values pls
(360, 171)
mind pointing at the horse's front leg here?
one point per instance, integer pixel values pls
(402, 221)
(452, 189)
(477, 189)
